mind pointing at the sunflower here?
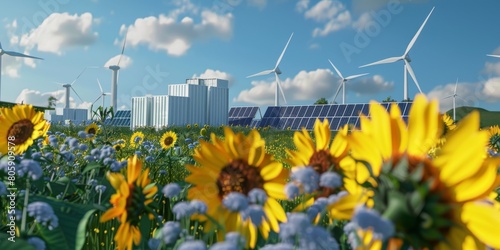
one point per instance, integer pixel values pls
(92, 129)
(439, 202)
(118, 146)
(168, 139)
(237, 164)
(324, 157)
(494, 138)
(448, 122)
(136, 139)
(133, 195)
(20, 125)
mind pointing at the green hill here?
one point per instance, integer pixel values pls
(488, 118)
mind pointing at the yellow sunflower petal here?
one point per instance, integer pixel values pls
(482, 220)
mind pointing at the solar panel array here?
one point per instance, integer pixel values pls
(338, 115)
(121, 119)
(242, 116)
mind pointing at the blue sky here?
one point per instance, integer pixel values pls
(170, 41)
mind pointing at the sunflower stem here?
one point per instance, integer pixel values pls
(25, 205)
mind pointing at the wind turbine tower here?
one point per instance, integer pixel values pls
(276, 70)
(343, 82)
(11, 53)
(114, 77)
(406, 58)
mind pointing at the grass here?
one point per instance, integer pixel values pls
(488, 118)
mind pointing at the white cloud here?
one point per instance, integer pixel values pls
(363, 21)
(492, 68)
(308, 85)
(60, 31)
(166, 33)
(124, 62)
(302, 5)
(468, 94)
(258, 3)
(37, 98)
(210, 73)
(491, 89)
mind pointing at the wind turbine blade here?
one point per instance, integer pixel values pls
(447, 97)
(279, 86)
(78, 76)
(497, 56)
(412, 74)
(338, 91)
(418, 33)
(356, 76)
(123, 48)
(106, 93)
(456, 85)
(76, 94)
(383, 61)
(283, 52)
(59, 83)
(338, 72)
(97, 99)
(12, 53)
(100, 86)
(265, 72)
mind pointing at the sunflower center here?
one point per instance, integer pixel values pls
(238, 176)
(321, 161)
(168, 141)
(21, 131)
(91, 131)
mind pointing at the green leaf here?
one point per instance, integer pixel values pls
(82, 230)
(70, 215)
(90, 167)
(18, 244)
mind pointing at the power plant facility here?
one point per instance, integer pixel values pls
(201, 101)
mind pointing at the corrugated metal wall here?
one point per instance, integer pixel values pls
(218, 106)
(140, 114)
(177, 111)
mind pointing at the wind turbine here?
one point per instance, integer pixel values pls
(11, 53)
(343, 81)
(114, 80)
(276, 72)
(69, 86)
(102, 95)
(454, 96)
(497, 56)
(406, 58)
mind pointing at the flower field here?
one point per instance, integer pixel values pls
(428, 184)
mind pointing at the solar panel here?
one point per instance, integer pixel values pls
(338, 115)
(243, 116)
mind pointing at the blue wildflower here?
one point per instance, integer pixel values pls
(154, 243)
(30, 168)
(255, 213)
(171, 190)
(235, 201)
(307, 177)
(100, 188)
(83, 147)
(49, 156)
(92, 182)
(182, 210)
(3, 188)
(36, 155)
(190, 146)
(257, 196)
(292, 191)
(37, 243)
(170, 232)
(330, 179)
(279, 246)
(188, 140)
(370, 218)
(150, 158)
(82, 134)
(43, 213)
(193, 245)
(198, 206)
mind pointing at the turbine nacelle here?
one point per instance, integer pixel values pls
(114, 67)
(408, 58)
(277, 70)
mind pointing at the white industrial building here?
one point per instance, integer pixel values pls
(65, 115)
(201, 101)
